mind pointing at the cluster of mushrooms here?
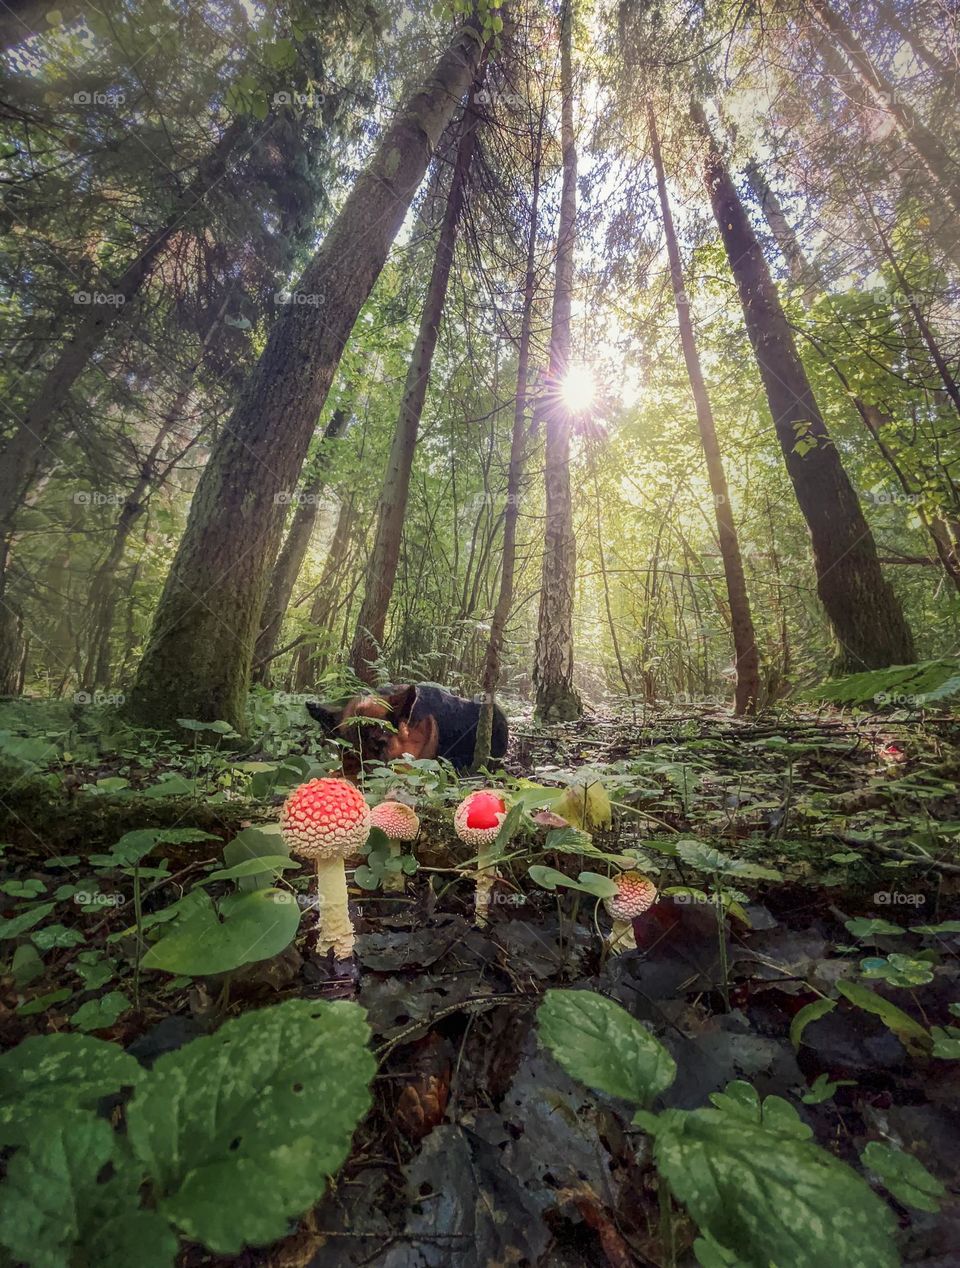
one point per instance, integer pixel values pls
(328, 821)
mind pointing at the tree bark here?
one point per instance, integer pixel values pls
(327, 590)
(22, 452)
(556, 697)
(493, 661)
(862, 608)
(382, 567)
(803, 274)
(294, 550)
(746, 655)
(197, 663)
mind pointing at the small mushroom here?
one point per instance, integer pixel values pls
(399, 823)
(635, 894)
(327, 820)
(477, 823)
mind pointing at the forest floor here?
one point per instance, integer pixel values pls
(829, 840)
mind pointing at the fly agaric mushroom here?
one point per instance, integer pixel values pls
(635, 894)
(327, 820)
(398, 822)
(477, 823)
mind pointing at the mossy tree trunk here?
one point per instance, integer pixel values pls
(556, 697)
(198, 659)
(863, 610)
(294, 550)
(384, 558)
(747, 657)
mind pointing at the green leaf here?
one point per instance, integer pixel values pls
(48, 1073)
(26, 965)
(861, 927)
(264, 840)
(904, 1176)
(910, 1033)
(241, 1129)
(98, 1014)
(14, 926)
(23, 889)
(253, 867)
(810, 1012)
(946, 1042)
(42, 1002)
(247, 928)
(776, 1198)
(599, 1043)
(742, 1100)
(366, 877)
(945, 926)
(822, 1089)
(54, 1203)
(56, 936)
(898, 970)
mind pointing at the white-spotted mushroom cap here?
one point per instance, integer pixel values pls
(325, 819)
(635, 894)
(478, 818)
(398, 820)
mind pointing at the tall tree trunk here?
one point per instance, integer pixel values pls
(913, 40)
(934, 157)
(197, 662)
(557, 699)
(294, 550)
(862, 608)
(493, 660)
(382, 567)
(327, 590)
(741, 622)
(23, 451)
(103, 594)
(803, 274)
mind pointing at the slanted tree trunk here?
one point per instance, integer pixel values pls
(862, 608)
(747, 657)
(934, 157)
(382, 567)
(556, 697)
(197, 662)
(912, 38)
(326, 592)
(805, 274)
(294, 550)
(493, 661)
(22, 453)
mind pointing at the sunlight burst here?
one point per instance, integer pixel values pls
(579, 389)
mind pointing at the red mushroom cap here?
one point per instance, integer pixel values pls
(636, 893)
(398, 820)
(479, 816)
(325, 819)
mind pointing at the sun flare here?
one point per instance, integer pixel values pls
(579, 389)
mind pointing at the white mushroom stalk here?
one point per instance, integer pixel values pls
(477, 823)
(399, 823)
(635, 894)
(327, 820)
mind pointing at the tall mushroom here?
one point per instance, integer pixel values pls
(635, 894)
(398, 822)
(477, 823)
(327, 820)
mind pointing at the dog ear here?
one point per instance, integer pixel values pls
(329, 719)
(401, 704)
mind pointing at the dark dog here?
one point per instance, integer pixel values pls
(424, 721)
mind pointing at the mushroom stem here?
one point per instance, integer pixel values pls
(622, 937)
(334, 923)
(486, 878)
(394, 882)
